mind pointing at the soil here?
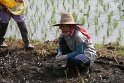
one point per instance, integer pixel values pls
(18, 65)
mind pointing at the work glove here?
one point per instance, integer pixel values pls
(59, 54)
(62, 57)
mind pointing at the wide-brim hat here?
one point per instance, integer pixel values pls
(66, 18)
(18, 9)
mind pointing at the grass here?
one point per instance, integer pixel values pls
(49, 47)
(111, 47)
(98, 45)
(42, 13)
(121, 53)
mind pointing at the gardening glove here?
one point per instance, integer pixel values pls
(62, 57)
(59, 54)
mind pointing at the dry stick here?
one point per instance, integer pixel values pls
(82, 80)
(115, 55)
(8, 53)
(66, 75)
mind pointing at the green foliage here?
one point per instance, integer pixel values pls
(118, 46)
(121, 47)
(45, 13)
(116, 23)
(106, 7)
(110, 17)
(120, 50)
(86, 1)
(121, 53)
(83, 20)
(75, 16)
(98, 45)
(96, 20)
(118, 39)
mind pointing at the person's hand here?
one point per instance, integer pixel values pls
(62, 57)
(21, 1)
(57, 56)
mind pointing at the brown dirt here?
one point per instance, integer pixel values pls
(18, 65)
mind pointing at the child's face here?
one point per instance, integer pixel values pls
(65, 28)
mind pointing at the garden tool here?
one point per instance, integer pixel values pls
(24, 34)
(3, 28)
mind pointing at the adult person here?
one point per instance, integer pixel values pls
(74, 44)
(17, 14)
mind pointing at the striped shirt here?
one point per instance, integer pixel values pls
(80, 44)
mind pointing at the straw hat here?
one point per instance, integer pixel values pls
(18, 9)
(66, 18)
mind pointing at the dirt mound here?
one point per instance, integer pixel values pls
(18, 65)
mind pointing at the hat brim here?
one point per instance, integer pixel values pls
(65, 24)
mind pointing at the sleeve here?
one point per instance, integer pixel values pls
(80, 39)
(59, 49)
(79, 50)
(80, 42)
